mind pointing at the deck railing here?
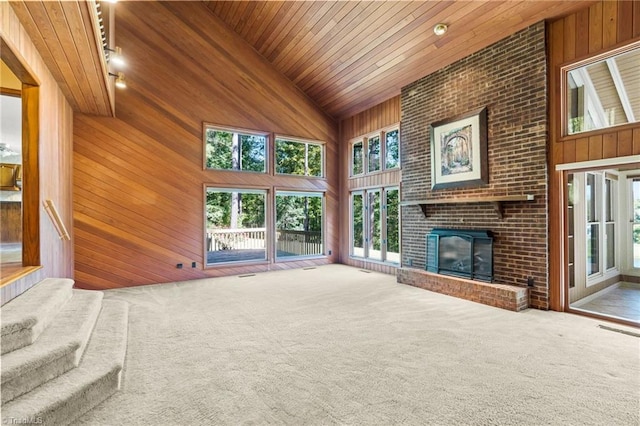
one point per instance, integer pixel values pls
(288, 242)
(298, 243)
(236, 239)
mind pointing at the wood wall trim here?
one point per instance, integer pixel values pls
(31, 175)
(587, 33)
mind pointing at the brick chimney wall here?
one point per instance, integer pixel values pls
(510, 79)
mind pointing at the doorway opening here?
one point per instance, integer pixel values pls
(602, 218)
(20, 183)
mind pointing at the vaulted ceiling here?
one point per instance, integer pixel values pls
(350, 55)
(346, 56)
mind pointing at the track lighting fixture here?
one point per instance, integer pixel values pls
(115, 56)
(120, 81)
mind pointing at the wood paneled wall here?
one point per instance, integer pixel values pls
(589, 32)
(139, 179)
(55, 152)
(379, 117)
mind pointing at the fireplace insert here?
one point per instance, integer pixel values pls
(466, 253)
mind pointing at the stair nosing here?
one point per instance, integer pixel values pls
(39, 353)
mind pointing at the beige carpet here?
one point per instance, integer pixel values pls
(335, 345)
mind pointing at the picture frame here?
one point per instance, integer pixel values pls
(10, 174)
(459, 151)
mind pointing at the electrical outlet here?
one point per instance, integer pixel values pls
(179, 266)
(530, 281)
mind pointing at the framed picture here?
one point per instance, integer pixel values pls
(459, 151)
(9, 177)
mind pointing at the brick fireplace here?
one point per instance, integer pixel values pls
(509, 78)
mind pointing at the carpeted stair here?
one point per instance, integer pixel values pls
(63, 352)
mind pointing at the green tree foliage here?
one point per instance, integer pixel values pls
(299, 213)
(290, 157)
(358, 225)
(225, 152)
(393, 233)
(358, 158)
(374, 154)
(253, 153)
(314, 161)
(251, 212)
(298, 158)
(374, 220)
(218, 149)
(392, 149)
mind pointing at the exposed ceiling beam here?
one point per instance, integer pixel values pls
(622, 92)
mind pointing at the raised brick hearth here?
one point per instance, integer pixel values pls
(504, 296)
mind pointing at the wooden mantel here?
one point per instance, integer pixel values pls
(495, 201)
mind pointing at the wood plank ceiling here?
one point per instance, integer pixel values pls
(351, 55)
(67, 36)
(346, 56)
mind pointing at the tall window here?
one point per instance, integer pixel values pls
(357, 224)
(357, 158)
(299, 158)
(392, 149)
(375, 224)
(376, 152)
(635, 206)
(236, 225)
(593, 223)
(299, 224)
(600, 212)
(232, 150)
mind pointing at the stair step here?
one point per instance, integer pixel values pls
(24, 318)
(61, 400)
(57, 350)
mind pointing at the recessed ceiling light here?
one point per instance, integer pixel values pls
(440, 29)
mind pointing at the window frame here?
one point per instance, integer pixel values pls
(366, 225)
(565, 90)
(382, 162)
(294, 192)
(267, 213)
(601, 178)
(306, 142)
(241, 132)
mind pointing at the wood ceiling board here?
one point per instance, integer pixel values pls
(349, 57)
(337, 29)
(79, 50)
(293, 49)
(401, 50)
(285, 34)
(422, 64)
(407, 41)
(66, 49)
(65, 39)
(37, 32)
(321, 31)
(340, 57)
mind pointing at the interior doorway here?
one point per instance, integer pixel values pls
(602, 218)
(11, 167)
